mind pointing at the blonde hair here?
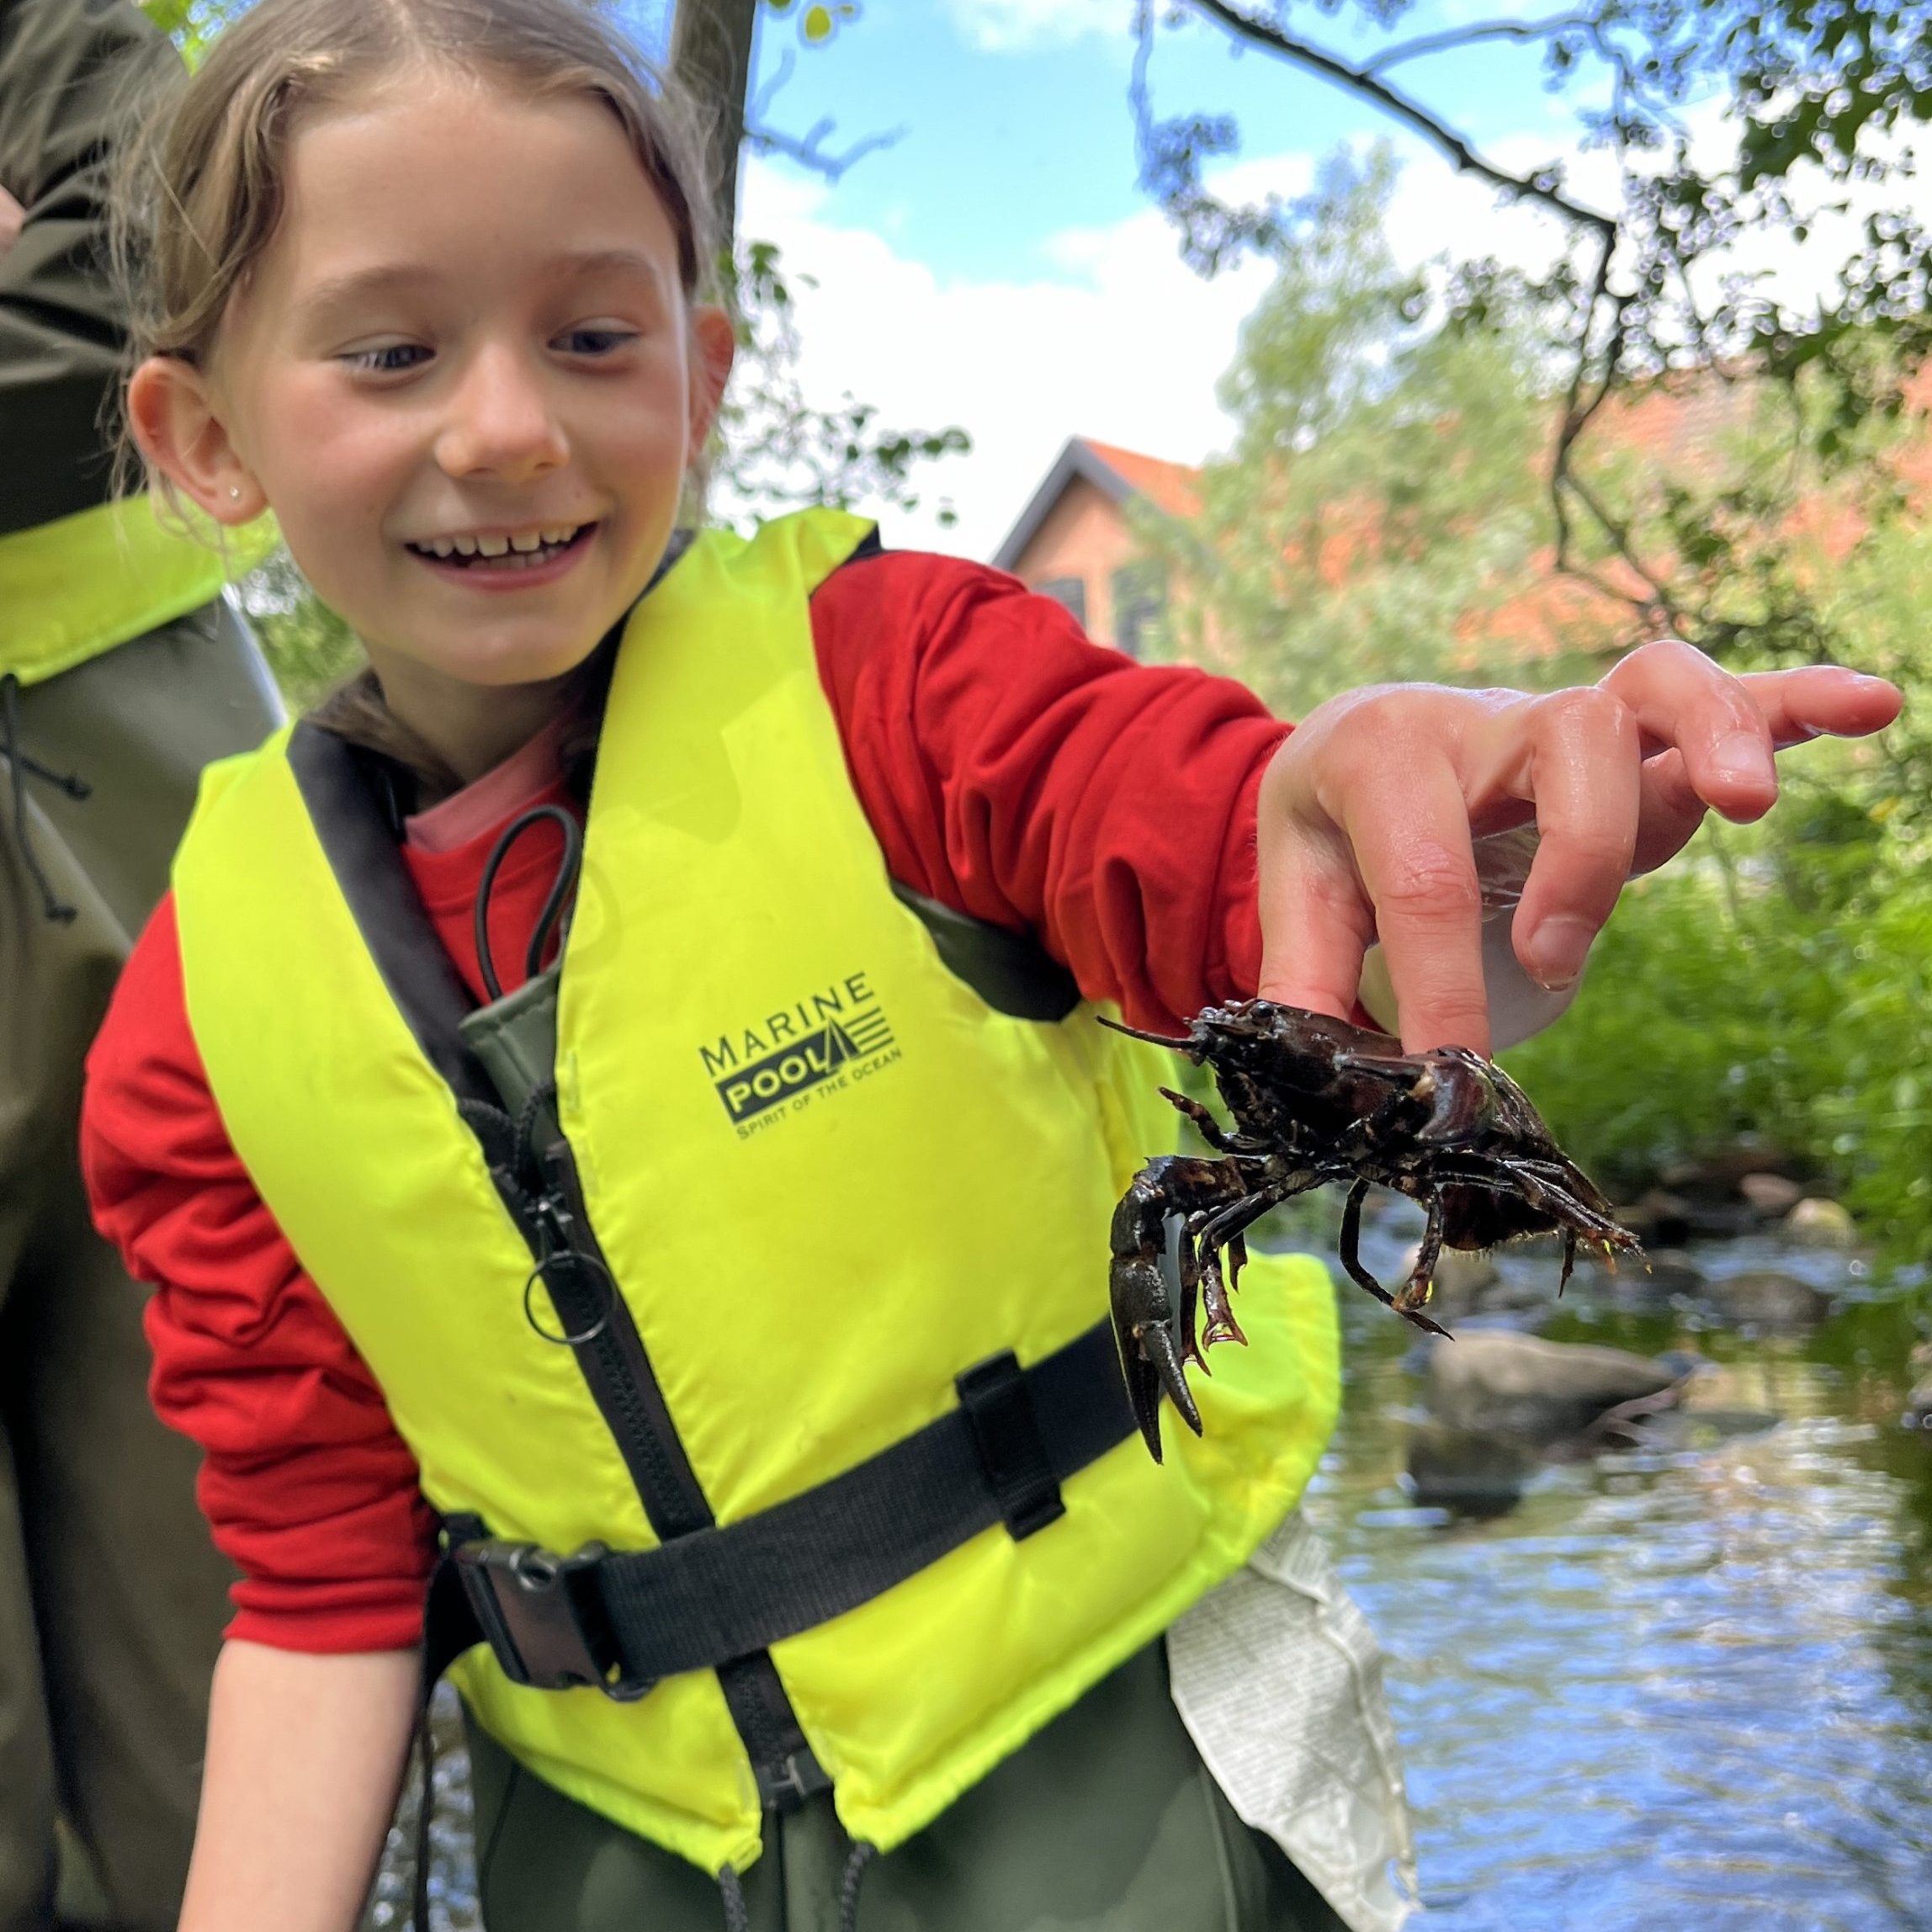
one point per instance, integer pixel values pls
(202, 183)
(202, 186)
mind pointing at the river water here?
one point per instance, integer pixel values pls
(1686, 1688)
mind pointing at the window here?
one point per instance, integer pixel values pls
(1139, 602)
(1070, 591)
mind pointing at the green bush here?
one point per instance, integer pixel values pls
(1776, 989)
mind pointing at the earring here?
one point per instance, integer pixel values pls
(235, 491)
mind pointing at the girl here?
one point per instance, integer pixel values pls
(723, 1299)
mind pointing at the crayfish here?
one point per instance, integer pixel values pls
(1316, 1100)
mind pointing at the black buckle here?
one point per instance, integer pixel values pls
(999, 1409)
(544, 1616)
(786, 1786)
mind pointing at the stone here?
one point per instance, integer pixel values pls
(1681, 1428)
(1718, 1175)
(1768, 1298)
(1919, 1404)
(1649, 1279)
(1772, 1195)
(1814, 1223)
(1468, 1470)
(1542, 1392)
(1657, 1218)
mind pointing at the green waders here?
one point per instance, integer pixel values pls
(1107, 1821)
(112, 1599)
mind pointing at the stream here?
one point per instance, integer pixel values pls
(1684, 1687)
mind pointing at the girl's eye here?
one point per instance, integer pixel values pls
(391, 358)
(595, 342)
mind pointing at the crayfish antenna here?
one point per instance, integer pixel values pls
(1152, 1039)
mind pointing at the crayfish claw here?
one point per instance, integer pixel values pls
(1157, 1346)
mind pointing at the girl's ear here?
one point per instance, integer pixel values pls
(713, 345)
(173, 417)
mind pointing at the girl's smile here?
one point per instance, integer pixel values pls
(465, 375)
(495, 561)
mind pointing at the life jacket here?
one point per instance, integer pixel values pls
(77, 586)
(836, 1197)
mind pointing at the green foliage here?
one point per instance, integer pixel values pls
(773, 450)
(309, 648)
(1381, 503)
(1822, 100)
(1805, 1017)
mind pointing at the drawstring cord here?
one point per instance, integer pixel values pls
(738, 1917)
(21, 768)
(861, 1856)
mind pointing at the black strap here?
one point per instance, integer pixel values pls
(1011, 971)
(728, 1591)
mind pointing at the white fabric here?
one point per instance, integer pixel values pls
(1278, 1678)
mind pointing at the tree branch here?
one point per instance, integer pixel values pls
(1456, 37)
(1401, 106)
(711, 62)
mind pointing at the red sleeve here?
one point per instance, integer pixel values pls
(304, 1482)
(1014, 771)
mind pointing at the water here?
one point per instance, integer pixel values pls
(1687, 1689)
(1684, 1687)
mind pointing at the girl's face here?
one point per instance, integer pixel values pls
(465, 377)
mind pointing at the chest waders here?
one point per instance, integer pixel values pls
(824, 1475)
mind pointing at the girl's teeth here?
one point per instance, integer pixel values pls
(517, 552)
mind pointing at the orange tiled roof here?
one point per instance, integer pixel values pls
(1174, 487)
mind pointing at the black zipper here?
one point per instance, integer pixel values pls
(335, 780)
(610, 1352)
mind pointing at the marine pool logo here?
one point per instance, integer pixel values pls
(788, 1060)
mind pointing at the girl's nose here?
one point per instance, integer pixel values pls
(499, 424)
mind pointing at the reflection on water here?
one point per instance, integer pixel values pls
(1680, 1688)
(1683, 1690)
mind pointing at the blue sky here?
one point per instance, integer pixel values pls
(999, 267)
(1006, 144)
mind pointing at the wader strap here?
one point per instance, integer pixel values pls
(624, 1621)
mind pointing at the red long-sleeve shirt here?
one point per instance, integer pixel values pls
(1009, 768)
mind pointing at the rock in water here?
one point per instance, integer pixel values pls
(1821, 1224)
(1771, 1194)
(1538, 1390)
(1469, 1471)
(1769, 1299)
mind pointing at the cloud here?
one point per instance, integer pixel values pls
(1118, 340)
(1124, 344)
(1025, 26)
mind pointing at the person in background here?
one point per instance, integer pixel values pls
(122, 673)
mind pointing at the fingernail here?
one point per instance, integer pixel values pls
(1743, 760)
(1558, 949)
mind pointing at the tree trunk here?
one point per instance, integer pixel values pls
(711, 60)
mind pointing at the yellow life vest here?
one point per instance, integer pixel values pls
(77, 586)
(826, 1178)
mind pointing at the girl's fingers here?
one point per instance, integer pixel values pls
(1316, 921)
(1820, 700)
(1679, 698)
(1585, 776)
(1408, 826)
(1814, 701)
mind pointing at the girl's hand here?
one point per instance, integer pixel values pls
(1367, 811)
(13, 219)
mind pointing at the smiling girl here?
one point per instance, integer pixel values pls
(697, 1294)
